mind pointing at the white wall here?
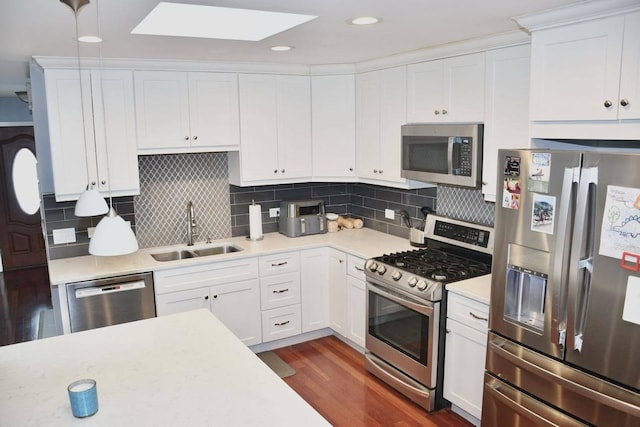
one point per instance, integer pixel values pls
(13, 110)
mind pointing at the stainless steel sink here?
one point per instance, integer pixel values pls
(196, 253)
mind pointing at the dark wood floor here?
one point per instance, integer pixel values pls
(331, 377)
(23, 295)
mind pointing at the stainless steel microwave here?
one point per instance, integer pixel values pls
(443, 153)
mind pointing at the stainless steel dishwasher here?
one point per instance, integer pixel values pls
(104, 302)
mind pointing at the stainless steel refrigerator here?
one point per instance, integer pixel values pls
(564, 341)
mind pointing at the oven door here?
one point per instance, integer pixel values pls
(403, 331)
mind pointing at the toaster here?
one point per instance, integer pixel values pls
(302, 217)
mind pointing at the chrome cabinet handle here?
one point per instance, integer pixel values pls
(475, 316)
(358, 268)
(281, 291)
(281, 324)
(280, 264)
(607, 103)
(624, 102)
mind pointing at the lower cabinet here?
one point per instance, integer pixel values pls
(356, 301)
(314, 278)
(281, 322)
(337, 271)
(466, 345)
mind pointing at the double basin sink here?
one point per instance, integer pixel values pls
(196, 253)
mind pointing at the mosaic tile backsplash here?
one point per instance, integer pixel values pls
(168, 182)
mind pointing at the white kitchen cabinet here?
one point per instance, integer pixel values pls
(506, 122)
(357, 301)
(333, 114)
(381, 108)
(237, 305)
(447, 90)
(587, 71)
(281, 323)
(93, 140)
(466, 345)
(278, 291)
(314, 279)
(338, 295)
(275, 123)
(181, 112)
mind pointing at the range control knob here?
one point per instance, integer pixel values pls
(421, 285)
(412, 281)
(371, 265)
(396, 275)
(382, 269)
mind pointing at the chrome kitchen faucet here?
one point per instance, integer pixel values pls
(192, 227)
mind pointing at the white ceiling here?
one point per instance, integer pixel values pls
(46, 28)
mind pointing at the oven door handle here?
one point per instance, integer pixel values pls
(420, 308)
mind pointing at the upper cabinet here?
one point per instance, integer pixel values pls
(275, 123)
(333, 114)
(506, 120)
(179, 112)
(93, 141)
(447, 90)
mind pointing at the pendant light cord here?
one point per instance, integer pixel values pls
(84, 137)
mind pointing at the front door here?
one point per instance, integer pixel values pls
(21, 241)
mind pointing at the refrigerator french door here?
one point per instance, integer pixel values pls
(565, 298)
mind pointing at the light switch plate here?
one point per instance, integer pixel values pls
(389, 214)
(64, 235)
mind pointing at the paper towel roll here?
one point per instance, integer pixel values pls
(255, 222)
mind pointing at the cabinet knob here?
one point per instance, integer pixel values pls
(282, 171)
(195, 137)
(186, 138)
(436, 112)
(215, 296)
(350, 169)
(340, 261)
(103, 182)
(207, 297)
(624, 102)
(375, 171)
(93, 183)
(444, 111)
(275, 171)
(608, 103)
(448, 331)
(485, 183)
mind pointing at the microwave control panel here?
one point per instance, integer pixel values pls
(462, 156)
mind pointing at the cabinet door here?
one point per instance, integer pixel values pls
(258, 127)
(464, 367)
(338, 291)
(333, 112)
(237, 305)
(426, 91)
(213, 110)
(162, 109)
(278, 291)
(294, 126)
(178, 302)
(393, 114)
(575, 71)
(70, 125)
(314, 279)
(506, 122)
(368, 125)
(464, 78)
(115, 132)
(281, 323)
(630, 78)
(357, 312)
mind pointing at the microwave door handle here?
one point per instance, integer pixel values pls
(580, 267)
(561, 263)
(450, 148)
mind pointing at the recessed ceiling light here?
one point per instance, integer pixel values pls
(365, 20)
(191, 20)
(89, 39)
(281, 48)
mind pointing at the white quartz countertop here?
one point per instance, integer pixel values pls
(181, 370)
(364, 242)
(477, 288)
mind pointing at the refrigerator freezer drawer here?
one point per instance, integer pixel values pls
(504, 405)
(576, 392)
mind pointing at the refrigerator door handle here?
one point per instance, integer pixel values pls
(581, 265)
(537, 367)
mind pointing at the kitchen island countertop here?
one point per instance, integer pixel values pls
(364, 242)
(184, 369)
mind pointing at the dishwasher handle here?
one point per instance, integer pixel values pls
(109, 289)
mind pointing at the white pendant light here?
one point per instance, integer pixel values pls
(112, 236)
(90, 202)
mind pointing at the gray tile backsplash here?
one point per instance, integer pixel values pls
(168, 182)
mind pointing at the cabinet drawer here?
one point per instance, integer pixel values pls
(278, 291)
(281, 323)
(279, 263)
(355, 266)
(198, 276)
(469, 312)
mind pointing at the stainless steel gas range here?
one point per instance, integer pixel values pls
(406, 305)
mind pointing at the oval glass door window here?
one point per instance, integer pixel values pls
(25, 181)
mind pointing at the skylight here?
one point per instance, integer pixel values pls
(190, 20)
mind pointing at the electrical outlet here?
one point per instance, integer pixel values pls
(274, 212)
(389, 214)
